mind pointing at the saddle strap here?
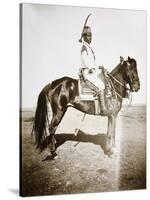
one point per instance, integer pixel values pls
(97, 106)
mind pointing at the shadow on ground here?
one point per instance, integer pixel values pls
(82, 166)
(98, 139)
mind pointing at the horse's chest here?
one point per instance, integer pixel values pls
(106, 106)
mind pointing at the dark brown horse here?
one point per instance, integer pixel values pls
(57, 96)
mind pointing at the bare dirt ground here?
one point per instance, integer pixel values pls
(84, 167)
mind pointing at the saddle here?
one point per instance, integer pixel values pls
(89, 92)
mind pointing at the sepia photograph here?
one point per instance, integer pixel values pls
(82, 100)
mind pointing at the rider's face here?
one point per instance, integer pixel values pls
(88, 38)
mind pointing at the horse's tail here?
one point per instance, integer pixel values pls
(39, 127)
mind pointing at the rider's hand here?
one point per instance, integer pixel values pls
(101, 67)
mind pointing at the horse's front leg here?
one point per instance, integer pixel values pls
(114, 131)
(110, 138)
(109, 135)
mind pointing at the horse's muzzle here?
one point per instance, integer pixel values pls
(135, 88)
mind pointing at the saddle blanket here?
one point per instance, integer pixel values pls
(85, 92)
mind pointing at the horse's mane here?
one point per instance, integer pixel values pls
(117, 68)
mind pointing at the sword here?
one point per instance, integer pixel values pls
(80, 40)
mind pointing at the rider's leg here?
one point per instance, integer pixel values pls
(93, 78)
(102, 76)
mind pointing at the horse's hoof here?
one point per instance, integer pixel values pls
(54, 156)
(112, 152)
(47, 158)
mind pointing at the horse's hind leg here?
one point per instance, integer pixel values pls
(56, 119)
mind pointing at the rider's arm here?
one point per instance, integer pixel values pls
(103, 69)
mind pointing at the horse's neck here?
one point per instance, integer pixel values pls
(117, 74)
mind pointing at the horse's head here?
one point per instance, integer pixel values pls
(130, 73)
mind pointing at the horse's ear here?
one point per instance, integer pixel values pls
(129, 58)
(121, 59)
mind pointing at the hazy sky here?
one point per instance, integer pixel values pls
(50, 47)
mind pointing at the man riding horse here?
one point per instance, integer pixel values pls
(89, 71)
(62, 93)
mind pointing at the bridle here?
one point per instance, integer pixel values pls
(130, 77)
(121, 84)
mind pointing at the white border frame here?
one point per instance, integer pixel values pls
(9, 87)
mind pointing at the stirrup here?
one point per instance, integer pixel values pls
(96, 94)
(108, 93)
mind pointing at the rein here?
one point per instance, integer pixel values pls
(122, 86)
(118, 81)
